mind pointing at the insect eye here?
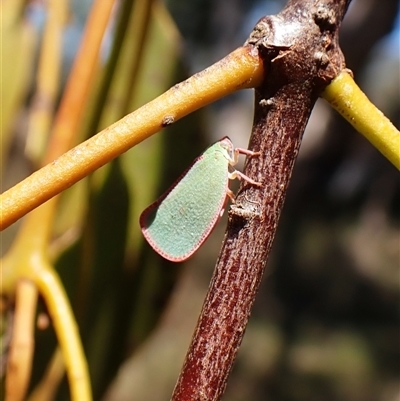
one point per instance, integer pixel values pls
(229, 150)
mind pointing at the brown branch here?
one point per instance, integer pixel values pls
(301, 56)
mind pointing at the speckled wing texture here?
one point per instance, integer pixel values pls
(180, 220)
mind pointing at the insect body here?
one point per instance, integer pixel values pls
(179, 222)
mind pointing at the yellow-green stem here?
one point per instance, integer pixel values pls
(347, 98)
(241, 69)
(67, 332)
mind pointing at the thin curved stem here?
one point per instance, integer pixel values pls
(27, 259)
(51, 288)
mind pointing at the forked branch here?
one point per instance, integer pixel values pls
(301, 55)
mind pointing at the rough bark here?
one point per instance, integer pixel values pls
(301, 55)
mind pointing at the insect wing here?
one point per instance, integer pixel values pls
(181, 220)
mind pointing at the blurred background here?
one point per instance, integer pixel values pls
(326, 321)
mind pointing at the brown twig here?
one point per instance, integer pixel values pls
(301, 56)
(22, 343)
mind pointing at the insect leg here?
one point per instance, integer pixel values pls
(237, 174)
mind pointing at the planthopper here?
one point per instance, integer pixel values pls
(178, 223)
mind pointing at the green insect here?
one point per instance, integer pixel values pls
(178, 223)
